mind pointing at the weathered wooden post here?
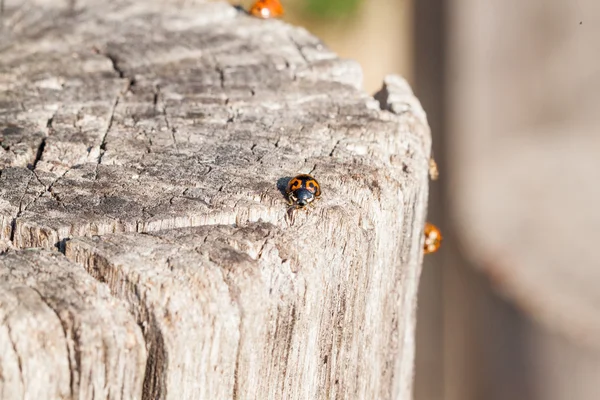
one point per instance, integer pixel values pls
(148, 143)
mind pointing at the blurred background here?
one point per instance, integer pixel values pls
(509, 308)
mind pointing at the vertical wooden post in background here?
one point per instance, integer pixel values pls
(519, 164)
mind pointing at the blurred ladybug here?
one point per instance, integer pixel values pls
(433, 238)
(267, 9)
(434, 173)
(302, 190)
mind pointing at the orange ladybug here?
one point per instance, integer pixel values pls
(433, 238)
(267, 9)
(302, 190)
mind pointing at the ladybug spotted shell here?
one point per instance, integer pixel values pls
(303, 189)
(433, 238)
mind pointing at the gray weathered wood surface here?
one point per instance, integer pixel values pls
(149, 142)
(62, 334)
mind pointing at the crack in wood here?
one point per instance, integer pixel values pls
(115, 64)
(16, 351)
(23, 195)
(288, 342)
(73, 366)
(14, 220)
(334, 148)
(102, 146)
(172, 129)
(38, 154)
(155, 97)
(42, 145)
(221, 73)
(299, 48)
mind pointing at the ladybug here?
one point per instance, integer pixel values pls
(433, 238)
(302, 190)
(267, 9)
(434, 173)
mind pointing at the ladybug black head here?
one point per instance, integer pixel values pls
(303, 196)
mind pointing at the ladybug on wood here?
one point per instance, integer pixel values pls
(302, 190)
(267, 9)
(433, 238)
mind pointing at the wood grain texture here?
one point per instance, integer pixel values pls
(150, 143)
(59, 325)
